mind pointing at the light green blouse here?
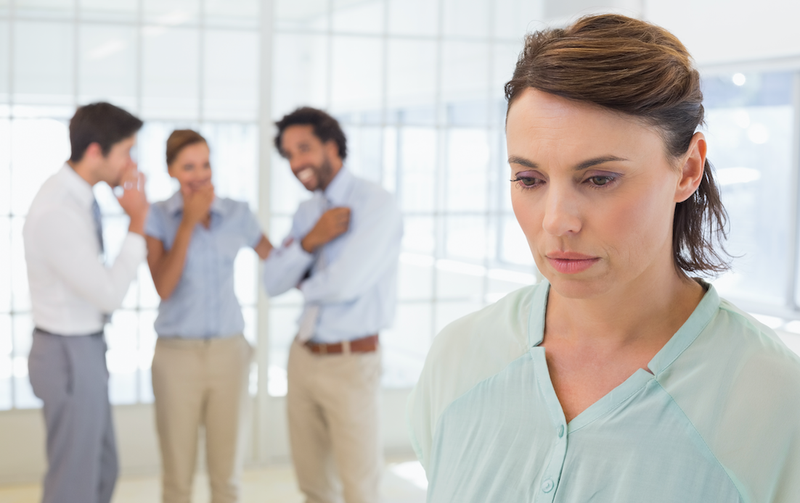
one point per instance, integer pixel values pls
(717, 420)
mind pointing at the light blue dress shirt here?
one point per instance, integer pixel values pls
(714, 419)
(354, 277)
(203, 303)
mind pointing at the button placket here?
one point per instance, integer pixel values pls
(552, 475)
(211, 311)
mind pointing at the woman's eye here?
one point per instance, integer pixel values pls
(599, 181)
(526, 181)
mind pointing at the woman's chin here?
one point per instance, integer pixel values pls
(576, 286)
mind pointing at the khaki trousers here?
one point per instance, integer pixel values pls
(201, 382)
(332, 403)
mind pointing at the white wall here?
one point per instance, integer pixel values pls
(714, 31)
(726, 31)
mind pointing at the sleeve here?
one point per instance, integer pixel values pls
(416, 411)
(74, 260)
(251, 227)
(758, 441)
(439, 383)
(286, 265)
(154, 224)
(466, 352)
(372, 247)
(739, 387)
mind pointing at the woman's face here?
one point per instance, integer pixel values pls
(191, 167)
(595, 193)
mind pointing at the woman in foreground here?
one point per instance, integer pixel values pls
(621, 378)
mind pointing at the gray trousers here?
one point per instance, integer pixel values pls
(69, 374)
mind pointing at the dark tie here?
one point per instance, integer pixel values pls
(310, 316)
(98, 225)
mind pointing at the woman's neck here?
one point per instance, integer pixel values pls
(645, 312)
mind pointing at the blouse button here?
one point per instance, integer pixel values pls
(547, 485)
(560, 431)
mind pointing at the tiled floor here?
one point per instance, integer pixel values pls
(403, 482)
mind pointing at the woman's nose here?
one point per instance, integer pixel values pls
(562, 214)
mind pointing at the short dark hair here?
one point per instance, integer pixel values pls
(326, 128)
(641, 70)
(180, 139)
(101, 123)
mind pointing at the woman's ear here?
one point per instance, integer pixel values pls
(692, 168)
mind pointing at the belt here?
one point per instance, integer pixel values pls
(366, 344)
(45, 332)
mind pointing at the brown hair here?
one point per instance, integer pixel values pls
(326, 128)
(101, 123)
(180, 139)
(642, 70)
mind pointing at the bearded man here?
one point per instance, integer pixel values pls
(341, 253)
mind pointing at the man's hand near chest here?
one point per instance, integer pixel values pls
(332, 224)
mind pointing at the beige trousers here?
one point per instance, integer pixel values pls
(332, 403)
(201, 382)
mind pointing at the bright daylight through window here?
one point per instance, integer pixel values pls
(418, 87)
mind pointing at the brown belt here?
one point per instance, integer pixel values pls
(366, 344)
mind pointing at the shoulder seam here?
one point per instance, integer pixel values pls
(734, 311)
(770, 334)
(742, 496)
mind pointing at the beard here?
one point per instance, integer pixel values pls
(323, 174)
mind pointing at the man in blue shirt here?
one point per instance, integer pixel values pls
(342, 254)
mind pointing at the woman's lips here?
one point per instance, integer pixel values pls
(571, 263)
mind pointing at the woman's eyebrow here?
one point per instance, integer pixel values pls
(584, 165)
(522, 162)
(598, 160)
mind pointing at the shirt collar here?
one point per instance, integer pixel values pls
(174, 205)
(680, 341)
(338, 191)
(702, 315)
(76, 185)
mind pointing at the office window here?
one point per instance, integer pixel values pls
(418, 87)
(177, 63)
(750, 120)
